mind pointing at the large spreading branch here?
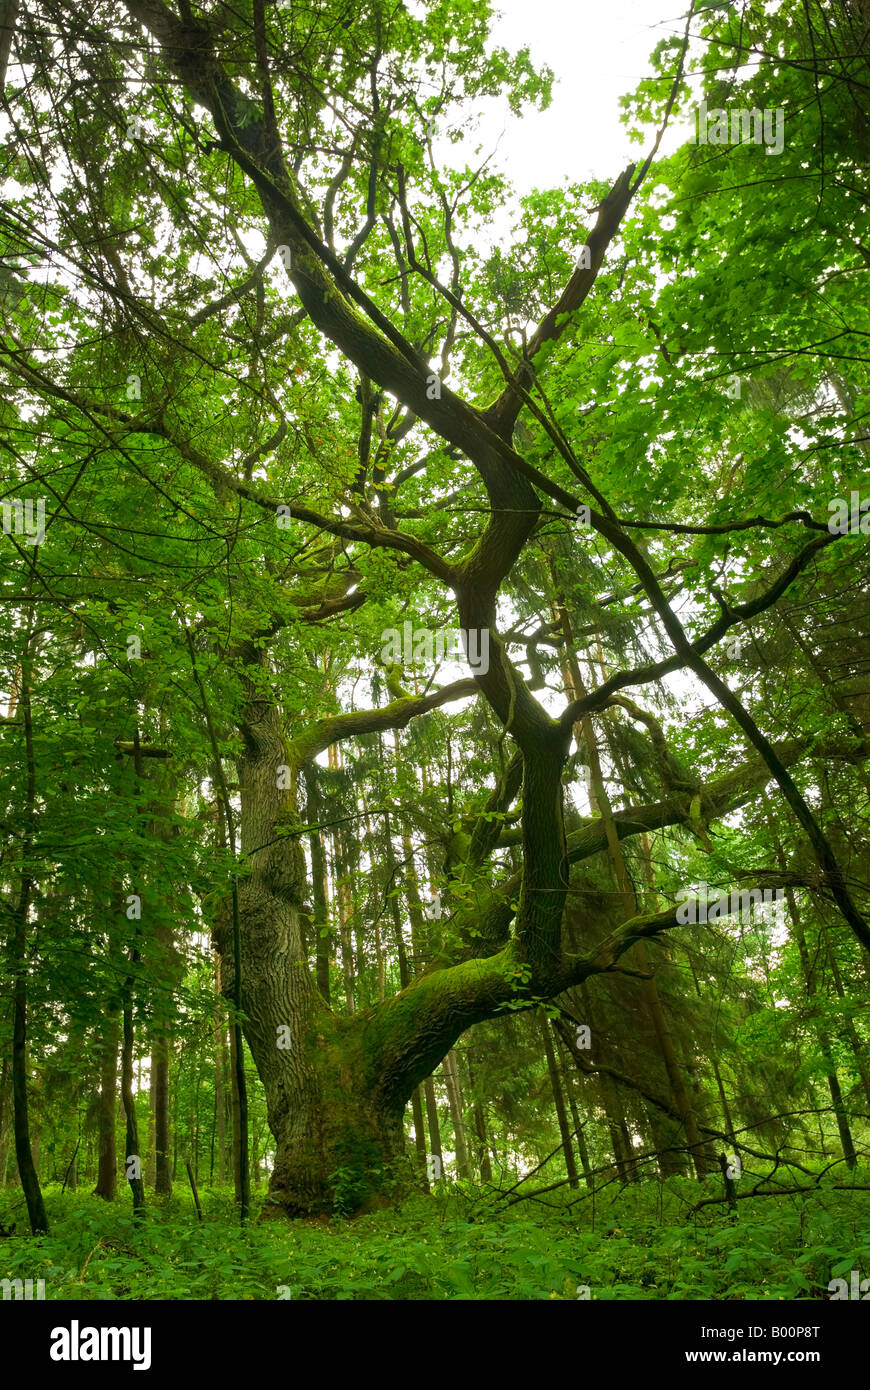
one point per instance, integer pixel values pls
(396, 715)
(728, 700)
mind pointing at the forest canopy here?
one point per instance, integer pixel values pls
(435, 710)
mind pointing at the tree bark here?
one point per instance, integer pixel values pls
(483, 1159)
(847, 1142)
(237, 1128)
(160, 1084)
(107, 1160)
(18, 972)
(133, 1159)
(220, 1088)
(5, 1086)
(566, 1074)
(322, 937)
(854, 1043)
(621, 877)
(454, 1097)
(559, 1103)
(434, 1127)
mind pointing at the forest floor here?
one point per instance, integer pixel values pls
(640, 1242)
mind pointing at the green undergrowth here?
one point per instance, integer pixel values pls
(644, 1243)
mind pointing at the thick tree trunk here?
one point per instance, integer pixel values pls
(336, 1138)
(336, 1086)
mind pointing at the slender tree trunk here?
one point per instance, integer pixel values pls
(623, 881)
(712, 1046)
(419, 932)
(559, 1103)
(5, 1085)
(322, 937)
(18, 972)
(343, 898)
(483, 1160)
(196, 1135)
(858, 1051)
(723, 1099)
(434, 1127)
(25, 1153)
(234, 1108)
(71, 1178)
(160, 1082)
(107, 1162)
(228, 934)
(133, 1159)
(220, 1074)
(391, 867)
(151, 1160)
(566, 1074)
(345, 931)
(454, 1097)
(620, 1140)
(175, 1112)
(847, 1142)
(255, 1151)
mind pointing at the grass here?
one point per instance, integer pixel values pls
(644, 1243)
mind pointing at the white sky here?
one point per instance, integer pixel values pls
(598, 53)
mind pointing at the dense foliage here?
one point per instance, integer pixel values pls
(297, 890)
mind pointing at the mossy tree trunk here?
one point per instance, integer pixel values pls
(336, 1087)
